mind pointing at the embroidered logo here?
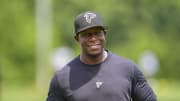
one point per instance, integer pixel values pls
(99, 84)
(89, 16)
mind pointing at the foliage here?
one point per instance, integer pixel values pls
(17, 36)
(133, 27)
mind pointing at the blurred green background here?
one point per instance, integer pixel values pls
(31, 29)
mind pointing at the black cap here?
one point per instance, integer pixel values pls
(87, 20)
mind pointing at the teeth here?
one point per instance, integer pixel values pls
(94, 46)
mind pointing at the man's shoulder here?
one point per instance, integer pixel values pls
(67, 67)
(120, 59)
(122, 63)
(64, 72)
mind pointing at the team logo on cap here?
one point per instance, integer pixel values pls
(89, 16)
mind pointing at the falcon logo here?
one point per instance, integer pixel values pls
(89, 17)
(99, 84)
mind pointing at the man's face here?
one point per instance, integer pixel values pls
(92, 41)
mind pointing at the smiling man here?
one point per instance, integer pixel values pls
(92, 42)
(98, 74)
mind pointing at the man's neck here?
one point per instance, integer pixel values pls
(93, 59)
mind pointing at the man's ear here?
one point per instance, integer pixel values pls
(76, 38)
(105, 31)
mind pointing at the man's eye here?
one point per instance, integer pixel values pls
(98, 33)
(86, 34)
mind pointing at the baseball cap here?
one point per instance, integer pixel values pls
(87, 20)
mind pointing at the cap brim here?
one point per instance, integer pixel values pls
(88, 27)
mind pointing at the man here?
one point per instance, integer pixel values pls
(97, 74)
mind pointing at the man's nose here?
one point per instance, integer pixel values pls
(93, 36)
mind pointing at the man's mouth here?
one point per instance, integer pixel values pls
(94, 46)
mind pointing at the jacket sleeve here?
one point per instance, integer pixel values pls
(141, 91)
(55, 93)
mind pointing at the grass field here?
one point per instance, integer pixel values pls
(23, 93)
(165, 90)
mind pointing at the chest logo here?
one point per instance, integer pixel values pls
(99, 84)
